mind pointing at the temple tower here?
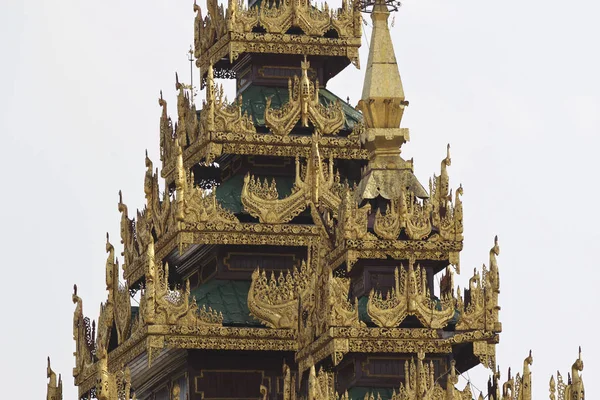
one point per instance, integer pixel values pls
(286, 249)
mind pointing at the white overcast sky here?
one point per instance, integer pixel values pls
(514, 86)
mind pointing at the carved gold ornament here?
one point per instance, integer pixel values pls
(315, 184)
(221, 34)
(573, 389)
(304, 105)
(410, 296)
(274, 300)
(54, 388)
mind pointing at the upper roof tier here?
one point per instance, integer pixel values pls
(285, 27)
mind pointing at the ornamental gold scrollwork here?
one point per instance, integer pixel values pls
(274, 300)
(185, 131)
(321, 386)
(220, 116)
(480, 309)
(410, 296)
(275, 18)
(187, 128)
(195, 205)
(112, 386)
(352, 220)
(158, 212)
(342, 311)
(167, 133)
(128, 237)
(420, 384)
(573, 389)
(83, 334)
(304, 105)
(172, 306)
(314, 184)
(54, 388)
(447, 214)
(407, 213)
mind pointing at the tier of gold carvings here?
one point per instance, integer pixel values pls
(304, 105)
(342, 311)
(215, 30)
(482, 309)
(262, 201)
(410, 296)
(573, 389)
(447, 215)
(352, 219)
(158, 212)
(54, 387)
(223, 128)
(315, 184)
(196, 205)
(274, 300)
(83, 334)
(172, 306)
(220, 116)
(408, 213)
(321, 386)
(112, 386)
(118, 304)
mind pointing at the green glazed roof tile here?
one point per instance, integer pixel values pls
(227, 297)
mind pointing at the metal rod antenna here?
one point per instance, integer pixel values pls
(191, 59)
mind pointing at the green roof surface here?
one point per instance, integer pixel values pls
(254, 99)
(227, 297)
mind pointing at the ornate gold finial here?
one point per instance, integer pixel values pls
(573, 389)
(54, 389)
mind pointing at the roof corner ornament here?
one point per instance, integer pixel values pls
(54, 389)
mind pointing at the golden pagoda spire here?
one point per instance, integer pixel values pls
(382, 102)
(382, 105)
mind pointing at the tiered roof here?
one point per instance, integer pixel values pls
(320, 191)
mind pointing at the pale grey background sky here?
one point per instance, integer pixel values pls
(512, 85)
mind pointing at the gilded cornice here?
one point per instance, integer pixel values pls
(229, 34)
(338, 341)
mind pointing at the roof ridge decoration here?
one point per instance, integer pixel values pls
(304, 105)
(197, 205)
(317, 185)
(410, 296)
(172, 306)
(220, 116)
(83, 334)
(112, 386)
(263, 29)
(481, 311)
(54, 388)
(574, 388)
